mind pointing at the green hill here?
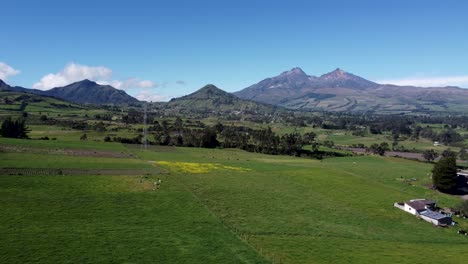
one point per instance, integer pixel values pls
(210, 99)
(15, 103)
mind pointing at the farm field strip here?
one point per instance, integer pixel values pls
(74, 172)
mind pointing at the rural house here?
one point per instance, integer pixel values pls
(423, 208)
(417, 206)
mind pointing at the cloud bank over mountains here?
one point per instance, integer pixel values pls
(461, 81)
(74, 72)
(7, 71)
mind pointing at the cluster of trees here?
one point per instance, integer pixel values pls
(14, 128)
(398, 126)
(447, 136)
(430, 155)
(187, 137)
(261, 141)
(193, 134)
(265, 140)
(379, 149)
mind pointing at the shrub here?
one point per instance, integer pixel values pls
(14, 129)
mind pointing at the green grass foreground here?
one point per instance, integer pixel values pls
(219, 206)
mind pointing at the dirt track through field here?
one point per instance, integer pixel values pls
(66, 151)
(72, 172)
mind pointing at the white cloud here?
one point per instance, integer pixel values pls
(430, 81)
(76, 72)
(7, 71)
(72, 73)
(130, 83)
(147, 95)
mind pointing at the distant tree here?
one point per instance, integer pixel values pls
(374, 129)
(329, 143)
(209, 139)
(395, 135)
(100, 127)
(309, 137)
(427, 132)
(155, 127)
(379, 148)
(84, 137)
(315, 146)
(219, 127)
(162, 138)
(165, 125)
(385, 146)
(43, 118)
(430, 155)
(449, 153)
(14, 129)
(444, 174)
(107, 139)
(291, 144)
(359, 132)
(178, 124)
(25, 114)
(179, 140)
(395, 144)
(449, 136)
(416, 131)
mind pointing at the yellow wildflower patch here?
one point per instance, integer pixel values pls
(193, 167)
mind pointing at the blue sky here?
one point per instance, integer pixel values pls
(162, 49)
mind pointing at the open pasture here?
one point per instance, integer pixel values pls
(219, 206)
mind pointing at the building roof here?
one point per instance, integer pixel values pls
(420, 204)
(434, 215)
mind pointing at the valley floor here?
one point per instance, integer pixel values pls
(212, 206)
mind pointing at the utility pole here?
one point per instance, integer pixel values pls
(145, 130)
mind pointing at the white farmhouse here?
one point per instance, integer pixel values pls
(417, 206)
(423, 208)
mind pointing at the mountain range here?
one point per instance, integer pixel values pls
(343, 91)
(294, 89)
(82, 92)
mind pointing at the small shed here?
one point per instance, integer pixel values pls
(436, 218)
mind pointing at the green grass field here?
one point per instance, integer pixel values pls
(218, 206)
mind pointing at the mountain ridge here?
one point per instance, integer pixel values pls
(339, 90)
(82, 92)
